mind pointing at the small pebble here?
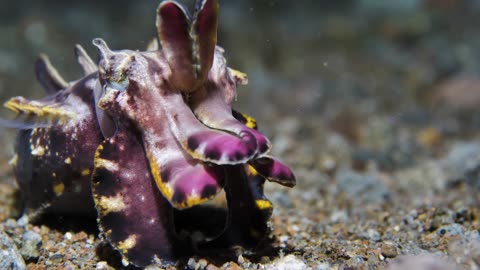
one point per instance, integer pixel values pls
(232, 266)
(68, 265)
(373, 235)
(81, 236)
(240, 259)
(102, 265)
(201, 264)
(283, 238)
(289, 262)
(23, 221)
(56, 258)
(323, 266)
(451, 230)
(10, 258)
(389, 250)
(264, 260)
(211, 267)
(10, 223)
(31, 242)
(191, 263)
(68, 236)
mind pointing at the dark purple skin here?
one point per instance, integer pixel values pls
(247, 219)
(146, 134)
(212, 103)
(51, 169)
(133, 214)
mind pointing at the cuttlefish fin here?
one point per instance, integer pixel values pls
(43, 112)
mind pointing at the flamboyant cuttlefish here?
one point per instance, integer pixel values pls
(147, 135)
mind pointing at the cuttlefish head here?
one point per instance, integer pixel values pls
(188, 49)
(145, 94)
(128, 84)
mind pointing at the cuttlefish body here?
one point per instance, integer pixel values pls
(146, 135)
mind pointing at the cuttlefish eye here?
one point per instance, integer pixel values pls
(119, 82)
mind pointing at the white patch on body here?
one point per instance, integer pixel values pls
(37, 150)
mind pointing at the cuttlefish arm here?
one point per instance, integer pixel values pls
(188, 43)
(202, 142)
(212, 105)
(132, 213)
(137, 219)
(188, 48)
(150, 100)
(270, 168)
(183, 181)
(248, 210)
(274, 171)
